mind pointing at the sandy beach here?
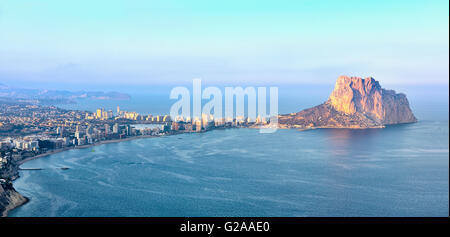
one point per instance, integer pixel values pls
(52, 152)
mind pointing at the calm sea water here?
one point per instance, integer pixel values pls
(401, 170)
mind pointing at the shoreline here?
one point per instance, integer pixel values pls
(16, 200)
(25, 200)
(21, 162)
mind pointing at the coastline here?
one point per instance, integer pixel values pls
(19, 200)
(21, 162)
(16, 199)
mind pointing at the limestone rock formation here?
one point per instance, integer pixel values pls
(354, 103)
(9, 198)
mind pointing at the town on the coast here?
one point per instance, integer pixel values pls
(27, 130)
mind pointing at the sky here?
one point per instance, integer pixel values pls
(82, 43)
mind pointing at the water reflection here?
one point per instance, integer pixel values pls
(396, 171)
(348, 142)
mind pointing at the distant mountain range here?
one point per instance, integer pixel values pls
(55, 96)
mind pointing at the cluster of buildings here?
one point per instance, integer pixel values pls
(207, 122)
(28, 130)
(102, 114)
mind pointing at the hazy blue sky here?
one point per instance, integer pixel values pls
(256, 42)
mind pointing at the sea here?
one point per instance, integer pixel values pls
(401, 170)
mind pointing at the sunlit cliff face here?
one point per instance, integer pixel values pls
(355, 94)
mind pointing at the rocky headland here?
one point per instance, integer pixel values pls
(9, 197)
(354, 103)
